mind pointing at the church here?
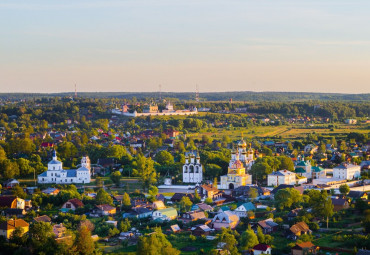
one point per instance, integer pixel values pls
(56, 173)
(192, 171)
(241, 160)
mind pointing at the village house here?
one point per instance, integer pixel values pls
(10, 183)
(139, 213)
(59, 230)
(208, 190)
(339, 204)
(268, 226)
(158, 205)
(204, 207)
(192, 216)
(104, 210)
(243, 209)
(165, 214)
(42, 218)
(12, 202)
(298, 229)
(304, 248)
(201, 230)
(72, 204)
(357, 195)
(261, 249)
(51, 191)
(178, 196)
(225, 220)
(7, 227)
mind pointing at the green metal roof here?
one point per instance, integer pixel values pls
(169, 212)
(300, 170)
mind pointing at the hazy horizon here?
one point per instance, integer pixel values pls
(234, 45)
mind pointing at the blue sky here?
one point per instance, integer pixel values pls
(319, 46)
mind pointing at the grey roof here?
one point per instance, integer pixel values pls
(363, 252)
(71, 173)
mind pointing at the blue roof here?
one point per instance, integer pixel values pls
(43, 174)
(82, 168)
(71, 173)
(249, 206)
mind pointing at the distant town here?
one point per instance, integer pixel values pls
(83, 175)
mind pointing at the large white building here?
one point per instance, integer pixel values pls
(346, 171)
(192, 171)
(56, 173)
(281, 177)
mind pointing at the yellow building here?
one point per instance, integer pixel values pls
(236, 174)
(7, 227)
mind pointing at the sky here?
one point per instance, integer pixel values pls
(231, 45)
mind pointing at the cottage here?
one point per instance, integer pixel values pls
(339, 204)
(175, 228)
(205, 207)
(59, 230)
(261, 249)
(357, 195)
(139, 213)
(7, 227)
(43, 218)
(304, 248)
(165, 214)
(12, 202)
(192, 216)
(103, 210)
(242, 210)
(210, 191)
(51, 191)
(178, 196)
(225, 219)
(158, 205)
(10, 183)
(293, 213)
(201, 230)
(299, 229)
(72, 204)
(268, 226)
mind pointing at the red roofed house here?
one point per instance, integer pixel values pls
(72, 204)
(261, 249)
(304, 248)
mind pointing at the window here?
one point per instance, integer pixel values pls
(68, 205)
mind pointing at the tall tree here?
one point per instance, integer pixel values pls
(344, 189)
(229, 237)
(116, 177)
(102, 197)
(42, 238)
(84, 242)
(248, 239)
(156, 243)
(146, 172)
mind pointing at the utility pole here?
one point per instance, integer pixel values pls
(75, 90)
(160, 92)
(197, 93)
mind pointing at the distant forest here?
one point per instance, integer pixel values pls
(247, 96)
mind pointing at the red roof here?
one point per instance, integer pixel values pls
(76, 202)
(261, 247)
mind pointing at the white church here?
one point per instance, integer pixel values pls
(192, 171)
(56, 173)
